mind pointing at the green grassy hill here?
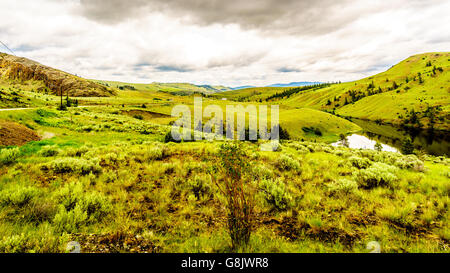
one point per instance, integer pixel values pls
(414, 92)
(250, 94)
(310, 124)
(172, 88)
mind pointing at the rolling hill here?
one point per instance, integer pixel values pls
(46, 79)
(172, 88)
(414, 93)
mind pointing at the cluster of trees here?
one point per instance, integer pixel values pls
(413, 118)
(355, 95)
(129, 87)
(289, 92)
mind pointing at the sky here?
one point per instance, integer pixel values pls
(223, 42)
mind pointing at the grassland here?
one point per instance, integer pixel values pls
(108, 181)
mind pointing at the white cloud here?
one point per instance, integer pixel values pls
(255, 44)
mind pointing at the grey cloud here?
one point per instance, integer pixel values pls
(286, 16)
(239, 60)
(288, 70)
(169, 68)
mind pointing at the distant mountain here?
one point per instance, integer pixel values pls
(292, 84)
(242, 87)
(215, 88)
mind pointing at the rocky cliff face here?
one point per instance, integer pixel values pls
(22, 69)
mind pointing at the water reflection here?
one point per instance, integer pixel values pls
(356, 141)
(432, 142)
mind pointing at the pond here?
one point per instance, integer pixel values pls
(356, 141)
(432, 142)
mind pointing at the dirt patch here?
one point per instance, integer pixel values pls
(47, 135)
(144, 114)
(293, 230)
(114, 243)
(12, 133)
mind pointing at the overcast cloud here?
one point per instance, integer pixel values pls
(224, 42)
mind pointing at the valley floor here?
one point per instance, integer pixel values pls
(107, 180)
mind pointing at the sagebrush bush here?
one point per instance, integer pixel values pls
(77, 152)
(96, 206)
(287, 163)
(359, 162)
(148, 152)
(77, 207)
(379, 174)
(276, 194)
(200, 185)
(41, 240)
(8, 156)
(343, 185)
(300, 148)
(48, 151)
(18, 196)
(410, 162)
(69, 221)
(75, 165)
(260, 171)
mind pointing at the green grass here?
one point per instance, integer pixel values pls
(131, 196)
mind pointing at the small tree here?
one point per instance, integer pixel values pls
(407, 146)
(378, 146)
(233, 162)
(344, 140)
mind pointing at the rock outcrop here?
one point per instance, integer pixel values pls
(23, 69)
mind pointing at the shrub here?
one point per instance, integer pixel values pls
(409, 162)
(44, 113)
(48, 151)
(41, 240)
(360, 163)
(75, 165)
(276, 194)
(156, 152)
(78, 207)
(18, 197)
(379, 174)
(69, 221)
(96, 206)
(288, 163)
(71, 152)
(343, 185)
(262, 172)
(239, 201)
(8, 156)
(200, 185)
(407, 146)
(302, 149)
